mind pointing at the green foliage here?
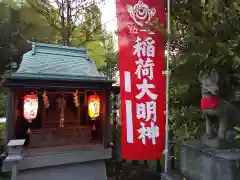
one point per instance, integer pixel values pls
(16, 26)
(44, 23)
(205, 35)
(3, 11)
(110, 67)
(238, 132)
(91, 34)
(96, 52)
(3, 131)
(3, 99)
(75, 24)
(3, 105)
(34, 25)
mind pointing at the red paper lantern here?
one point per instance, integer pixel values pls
(30, 107)
(93, 106)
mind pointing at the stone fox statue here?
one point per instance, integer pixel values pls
(215, 109)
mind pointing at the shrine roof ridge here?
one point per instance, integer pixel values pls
(58, 60)
(59, 50)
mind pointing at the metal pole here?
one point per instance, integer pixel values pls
(167, 84)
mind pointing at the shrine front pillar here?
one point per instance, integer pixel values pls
(10, 115)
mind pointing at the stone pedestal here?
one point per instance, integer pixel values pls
(65, 164)
(217, 143)
(199, 162)
(79, 171)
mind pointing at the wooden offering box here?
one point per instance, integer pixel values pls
(59, 137)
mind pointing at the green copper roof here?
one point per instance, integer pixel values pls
(57, 61)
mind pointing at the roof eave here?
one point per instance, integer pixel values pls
(50, 77)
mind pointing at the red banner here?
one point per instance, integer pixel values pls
(142, 82)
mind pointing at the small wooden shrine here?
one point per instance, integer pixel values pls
(58, 102)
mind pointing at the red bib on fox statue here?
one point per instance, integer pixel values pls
(209, 102)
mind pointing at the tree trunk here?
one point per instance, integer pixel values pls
(62, 23)
(69, 25)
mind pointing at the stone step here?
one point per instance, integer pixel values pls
(171, 176)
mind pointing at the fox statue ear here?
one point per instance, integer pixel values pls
(214, 75)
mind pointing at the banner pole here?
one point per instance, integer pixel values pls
(167, 73)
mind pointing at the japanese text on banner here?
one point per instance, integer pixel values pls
(144, 49)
